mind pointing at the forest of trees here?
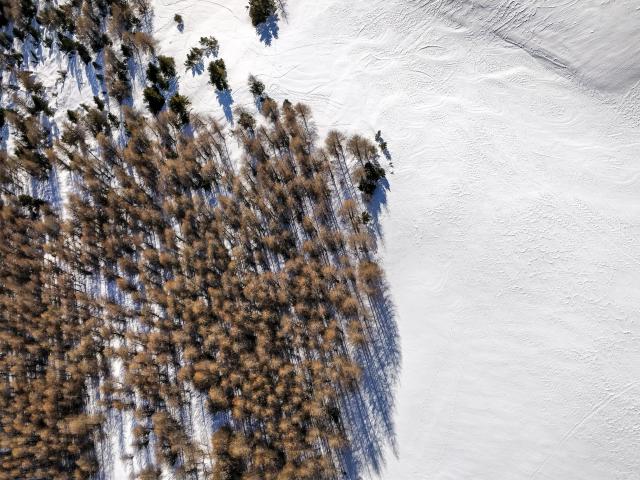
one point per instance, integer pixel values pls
(173, 271)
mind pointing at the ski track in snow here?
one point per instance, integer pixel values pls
(511, 228)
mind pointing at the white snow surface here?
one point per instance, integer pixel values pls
(511, 227)
(511, 230)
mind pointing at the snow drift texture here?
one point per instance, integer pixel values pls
(511, 225)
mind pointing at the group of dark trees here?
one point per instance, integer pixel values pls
(161, 75)
(174, 274)
(208, 47)
(84, 29)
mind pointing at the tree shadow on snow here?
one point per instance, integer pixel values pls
(377, 204)
(225, 100)
(92, 77)
(368, 411)
(197, 69)
(268, 30)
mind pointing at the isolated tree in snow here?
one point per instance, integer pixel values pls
(218, 74)
(261, 10)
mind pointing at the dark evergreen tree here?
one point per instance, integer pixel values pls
(256, 87)
(153, 99)
(369, 181)
(179, 104)
(261, 10)
(194, 58)
(167, 66)
(218, 74)
(210, 45)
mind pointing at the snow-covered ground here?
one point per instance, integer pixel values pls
(511, 230)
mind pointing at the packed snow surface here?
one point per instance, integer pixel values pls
(511, 227)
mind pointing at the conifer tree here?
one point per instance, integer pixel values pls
(218, 74)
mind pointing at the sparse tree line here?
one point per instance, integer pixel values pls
(259, 12)
(250, 287)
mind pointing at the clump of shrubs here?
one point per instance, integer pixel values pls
(381, 143)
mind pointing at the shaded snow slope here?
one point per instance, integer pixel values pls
(512, 223)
